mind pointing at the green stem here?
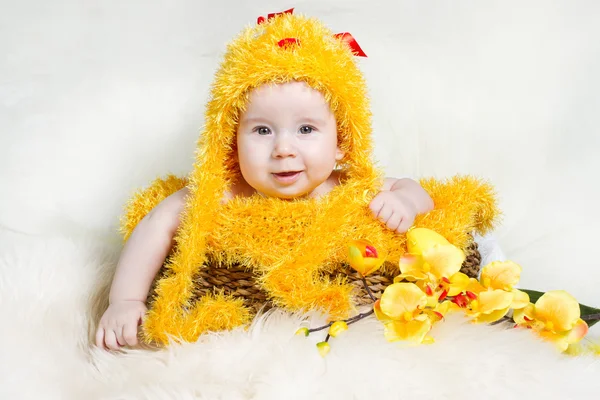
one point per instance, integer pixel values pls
(591, 317)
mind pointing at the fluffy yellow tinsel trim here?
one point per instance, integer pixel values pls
(289, 243)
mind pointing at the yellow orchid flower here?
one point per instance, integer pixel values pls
(504, 275)
(436, 272)
(555, 316)
(402, 310)
(364, 258)
(401, 300)
(430, 253)
(434, 265)
(490, 298)
(489, 306)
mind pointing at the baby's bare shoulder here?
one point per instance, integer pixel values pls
(177, 200)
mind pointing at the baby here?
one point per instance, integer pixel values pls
(287, 147)
(289, 108)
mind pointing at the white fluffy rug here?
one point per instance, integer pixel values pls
(48, 288)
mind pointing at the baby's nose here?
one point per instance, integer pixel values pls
(283, 147)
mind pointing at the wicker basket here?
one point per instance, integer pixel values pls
(240, 282)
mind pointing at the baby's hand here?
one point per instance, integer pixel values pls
(119, 324)
(397, 212)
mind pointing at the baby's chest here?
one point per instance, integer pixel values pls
(244, 227)
(293, 232)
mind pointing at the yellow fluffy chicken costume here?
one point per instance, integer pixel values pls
(288, 245)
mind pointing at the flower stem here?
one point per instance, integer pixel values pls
(320, 328)
(360, 316)
(366, 285)
(349, 321)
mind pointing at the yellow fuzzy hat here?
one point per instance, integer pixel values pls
(288, 244)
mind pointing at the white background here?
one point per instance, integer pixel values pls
(99, 97)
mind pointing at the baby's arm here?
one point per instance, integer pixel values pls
(141, 258)
(399, 202)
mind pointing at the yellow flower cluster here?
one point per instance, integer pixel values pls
(430, 285)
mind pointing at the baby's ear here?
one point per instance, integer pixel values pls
(339, 154)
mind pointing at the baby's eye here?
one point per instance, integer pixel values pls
(306, 129)
(262, 130)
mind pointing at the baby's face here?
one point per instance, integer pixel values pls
(287, 140)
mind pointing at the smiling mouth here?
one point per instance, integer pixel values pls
(287, 176)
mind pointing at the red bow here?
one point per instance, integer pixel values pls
(344, 36)
(262, 19)
(349, 39)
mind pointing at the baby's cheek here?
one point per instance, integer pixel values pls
(321, 171)
(251, 158)
(323, 160)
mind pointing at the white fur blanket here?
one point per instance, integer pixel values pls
(48, 288)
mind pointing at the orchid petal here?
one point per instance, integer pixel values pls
(411, 263)
(520, 300)
(414, 330)
(443, 307)
(380, 315)
(559, 340)
(475, 287)
(494, 300)
(419, 240)
(492, 316)
(558, 309)
(400, 298)
(358, 260)
(412, 276)
(578, 332)
(524, 315)
(444, 260)
(372, 264)
(355, 259)
(501, 275)
(458, 283)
